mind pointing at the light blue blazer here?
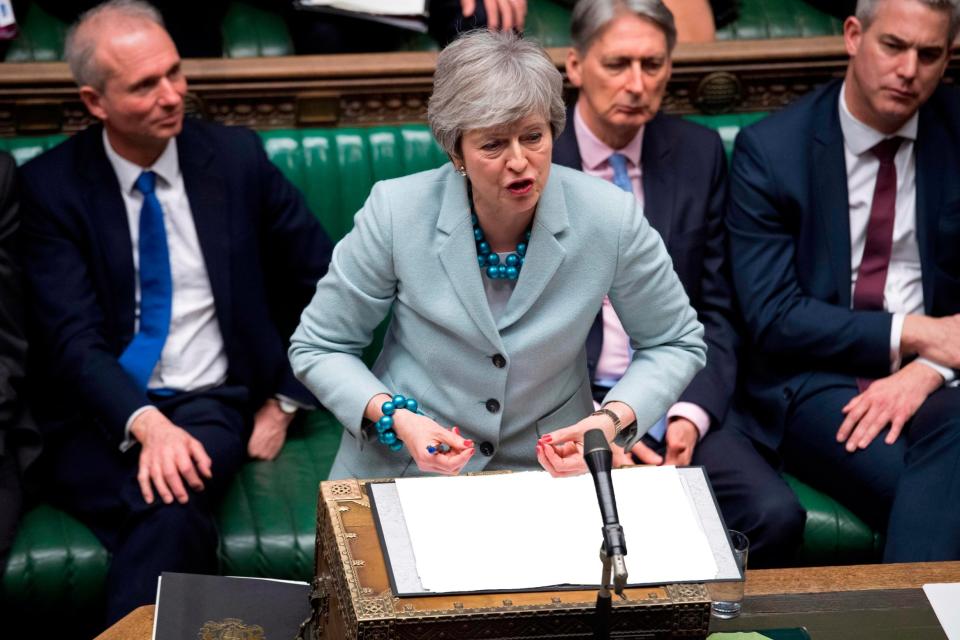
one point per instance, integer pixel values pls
(412, 250)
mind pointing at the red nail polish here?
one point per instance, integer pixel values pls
(468, 443)
(456, 429)
(546, 439)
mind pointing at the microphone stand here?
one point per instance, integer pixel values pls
(612, 563)
(597, 455)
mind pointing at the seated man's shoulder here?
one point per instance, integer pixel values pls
(800, 117)
(685, 131)
(226, 139)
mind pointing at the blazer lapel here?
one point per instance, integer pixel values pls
(828, 188)
(659, 179)
(458, 257)
(545, 253)
(207, 193)
(930, 176)
(105, 202)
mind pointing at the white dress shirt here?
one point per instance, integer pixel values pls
(194, 355)
(903, 291)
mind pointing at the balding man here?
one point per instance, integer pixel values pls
(168, 262)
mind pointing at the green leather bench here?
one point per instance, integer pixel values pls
(267, 520)
(249, 31)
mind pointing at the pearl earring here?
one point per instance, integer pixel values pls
(462, 170)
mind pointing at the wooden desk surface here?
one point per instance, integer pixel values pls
(876, 602)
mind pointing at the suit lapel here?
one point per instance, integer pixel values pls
(545, 253)
(105, 202)
(828, 188)
(659, 179)
(930, 176)
(458, 256)
(207, 193)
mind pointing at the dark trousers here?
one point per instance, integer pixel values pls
(91, 479)
(908, 488)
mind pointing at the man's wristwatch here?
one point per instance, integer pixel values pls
(287, 407)
(603, 411)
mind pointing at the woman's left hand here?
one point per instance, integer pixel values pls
(560, 452)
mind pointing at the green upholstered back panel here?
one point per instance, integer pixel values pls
(335, 168)
(22, 149)
(761, 19)
(40, 37)
(250, 31)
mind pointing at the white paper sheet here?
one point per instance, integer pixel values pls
(378, 7)
(945, 600)
(528, 530)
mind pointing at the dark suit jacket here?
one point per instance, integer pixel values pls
(684, 191)
(789, 228)
(263, 249)
(19, 440)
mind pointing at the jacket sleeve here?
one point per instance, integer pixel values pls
(664, 331)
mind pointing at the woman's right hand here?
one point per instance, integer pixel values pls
(418, 432)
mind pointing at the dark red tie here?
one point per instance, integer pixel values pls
(872, 276)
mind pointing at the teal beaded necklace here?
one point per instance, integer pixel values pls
(490, 263)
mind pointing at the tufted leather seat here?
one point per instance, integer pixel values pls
(267, 520)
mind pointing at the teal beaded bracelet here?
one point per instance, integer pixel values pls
(385, 433)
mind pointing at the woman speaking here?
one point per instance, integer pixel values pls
(494, 267)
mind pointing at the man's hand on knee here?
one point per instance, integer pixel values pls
(269, 431)
(889, 401)
(168, 456)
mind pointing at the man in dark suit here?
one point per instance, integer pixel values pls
(19, 441)
(844, 225)
(620, 61)
(168, 262)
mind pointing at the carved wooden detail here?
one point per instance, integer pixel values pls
(364, 89)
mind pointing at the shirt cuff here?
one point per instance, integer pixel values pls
(947, 373)
(896, 332)
(128, 439)
(299, 405)
(693, 413)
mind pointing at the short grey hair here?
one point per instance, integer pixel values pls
(489, 79)
(80, 47)
(591, 17)
(867, 11)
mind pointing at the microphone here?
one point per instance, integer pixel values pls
(596, 453)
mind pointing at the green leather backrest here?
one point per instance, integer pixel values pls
(40, 37)
(335, 168)
(249, 31)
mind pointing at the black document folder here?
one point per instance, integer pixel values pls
(195, 606)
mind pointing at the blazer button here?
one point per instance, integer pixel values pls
(499, 361)
(486, 448)
(492, 405)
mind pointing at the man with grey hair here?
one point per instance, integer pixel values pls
(621, 62)
(168, 260)
(844, 226)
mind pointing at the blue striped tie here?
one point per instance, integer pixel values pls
(156, 287)
(620, 176)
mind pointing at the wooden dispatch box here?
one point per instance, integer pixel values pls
(352, 597)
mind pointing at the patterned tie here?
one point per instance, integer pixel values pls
(620, 176)
(156, 287)
(872, 276)
(622, 179)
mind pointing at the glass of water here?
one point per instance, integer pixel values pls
(726, 597)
